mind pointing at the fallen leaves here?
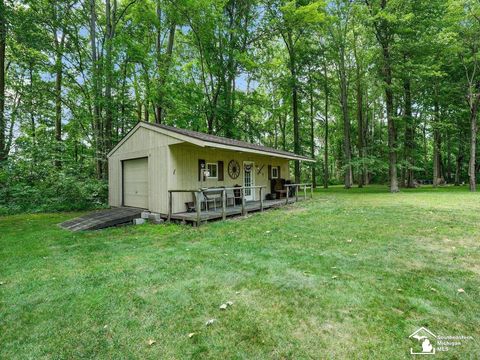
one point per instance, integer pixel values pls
(210, 322)
(151, 342)
(461, 291)
(191, 335)
(226, 305)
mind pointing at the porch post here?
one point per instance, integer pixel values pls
(261, 199)
(242, 192)
(288, 191)
(311, 191)
(305, 192)
(296, 193)
(197, 205)
(169, 205)
(224, 204)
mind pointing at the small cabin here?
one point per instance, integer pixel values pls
(153, 161)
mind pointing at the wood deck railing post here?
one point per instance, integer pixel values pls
(261, 199)
(224, 204)
(197, 205)
(305, 192)
(169, 206)
(288, 191)
(296, 193)
(242, 192)
(311, 191)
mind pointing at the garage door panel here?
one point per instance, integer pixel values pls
(135, 183)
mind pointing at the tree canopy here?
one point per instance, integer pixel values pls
(377, 91)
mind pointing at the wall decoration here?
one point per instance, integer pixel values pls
(260, 168)
(233, 169)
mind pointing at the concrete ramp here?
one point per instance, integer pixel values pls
(102, 219)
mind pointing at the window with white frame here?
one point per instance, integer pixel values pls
(212, 170)
(274, 172)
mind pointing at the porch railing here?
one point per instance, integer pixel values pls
(297, 188)
(239, 189)
(223, 191)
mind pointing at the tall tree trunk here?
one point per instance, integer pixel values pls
(58, 96)
(3, 125)
(97, 125)
(296, 125)
(473, 148)
(360, 115)
(325, 153)
(459, 159)
(294, 88)
(282, 119)
(347, 153)
(449, 155)
(390, 121)
(110, 33)
(33, 129)
(437, 144)
(312, 135)
(385, 36)
(361, 131)
(409, 133)
(163, 65)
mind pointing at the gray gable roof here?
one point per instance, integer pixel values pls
(226, 141)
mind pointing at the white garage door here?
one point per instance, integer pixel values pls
(135, 183)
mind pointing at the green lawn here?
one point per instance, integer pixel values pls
(349, 274)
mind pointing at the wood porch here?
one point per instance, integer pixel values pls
(199, 215)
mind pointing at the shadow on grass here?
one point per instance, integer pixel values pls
(383, 189)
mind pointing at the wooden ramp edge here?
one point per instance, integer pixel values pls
(101, 219)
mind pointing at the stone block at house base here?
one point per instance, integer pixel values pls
(145, 214)
(157, 222)
(139, 221)
(154, 217)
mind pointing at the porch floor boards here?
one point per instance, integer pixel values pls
(213, 214)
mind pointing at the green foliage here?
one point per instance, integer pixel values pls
(55, 191)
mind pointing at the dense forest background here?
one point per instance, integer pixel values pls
(382, 91)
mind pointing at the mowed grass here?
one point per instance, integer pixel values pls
(350, 274)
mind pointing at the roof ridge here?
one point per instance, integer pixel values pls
(224, 140)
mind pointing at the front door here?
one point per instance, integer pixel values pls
(249, 180)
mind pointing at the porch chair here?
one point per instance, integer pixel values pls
(204, 199)
(230, 195)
